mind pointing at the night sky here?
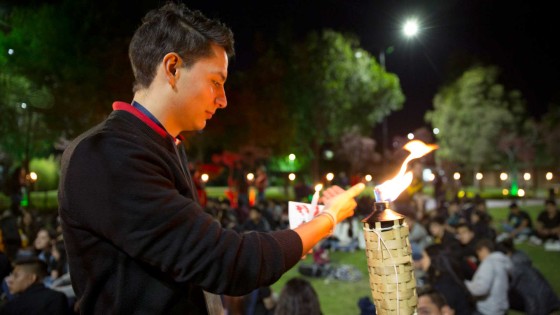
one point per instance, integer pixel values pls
(518, 36)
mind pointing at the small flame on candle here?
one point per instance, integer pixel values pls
(392, 188)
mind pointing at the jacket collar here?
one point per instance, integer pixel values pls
(147, 120)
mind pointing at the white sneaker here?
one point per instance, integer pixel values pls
(520, 239)
(535, 240)
(502, 237)
(552, 247)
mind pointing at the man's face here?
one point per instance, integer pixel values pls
(425, 261)
(464, 235)
(19, 280)
(200, 91)
(436, 229)
(427, 307)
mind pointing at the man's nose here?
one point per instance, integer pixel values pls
(221, 101)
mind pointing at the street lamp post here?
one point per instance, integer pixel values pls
(410, 29)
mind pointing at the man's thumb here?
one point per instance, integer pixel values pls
(356, 189)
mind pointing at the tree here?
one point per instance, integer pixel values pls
(79, 58)
(24, 133)
(473, 113)
(549, 130)
(333, 86)
(359, 151)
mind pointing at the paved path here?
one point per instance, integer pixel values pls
(498, 203)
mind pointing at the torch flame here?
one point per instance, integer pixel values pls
(392, 188)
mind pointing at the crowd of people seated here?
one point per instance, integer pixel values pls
(470, 260)
(33, 265)
(457, 250)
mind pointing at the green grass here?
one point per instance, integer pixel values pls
(339, 297)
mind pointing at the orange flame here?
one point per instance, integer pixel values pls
(392, 188)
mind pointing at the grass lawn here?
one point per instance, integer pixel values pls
(339, 297)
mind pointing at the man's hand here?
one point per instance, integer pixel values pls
(341, 202)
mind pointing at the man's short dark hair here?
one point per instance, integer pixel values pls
(437, 297)
(485, 243)
(32, 265)
(438, 220)
(464, 225)
(174, 28)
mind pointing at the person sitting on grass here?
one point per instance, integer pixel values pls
(490, 282)
(298, 297)
(529, 291)
(31, 296)
(548, 224)
(518, 226)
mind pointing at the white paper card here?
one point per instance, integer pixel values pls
(299, 212)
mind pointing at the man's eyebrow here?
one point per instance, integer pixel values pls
(221, 74)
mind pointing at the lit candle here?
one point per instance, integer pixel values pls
(315, 198)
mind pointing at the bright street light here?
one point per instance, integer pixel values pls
(204, 177)
(10, 51)
(527, 176)
(410, 136)
(549, 176)
(292, 177)
(33, 177)
(318, 187)
(521, 192)
(479, 176)
(456, 176)
(436, 131)
(250, 176)
(292, 157)
(368, 178)
(410, 28)
(329, 176)
(503, 176)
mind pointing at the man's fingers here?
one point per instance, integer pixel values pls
(356, 189)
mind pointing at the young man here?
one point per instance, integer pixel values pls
(137, 240)
(518, 226)
(30, 295)
(490, 282)
(468, 239)
(548, 226)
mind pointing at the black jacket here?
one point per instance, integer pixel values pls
(137, 240)
(37, 300)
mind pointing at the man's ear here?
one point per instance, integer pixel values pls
(171, 64)
(33, 277)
